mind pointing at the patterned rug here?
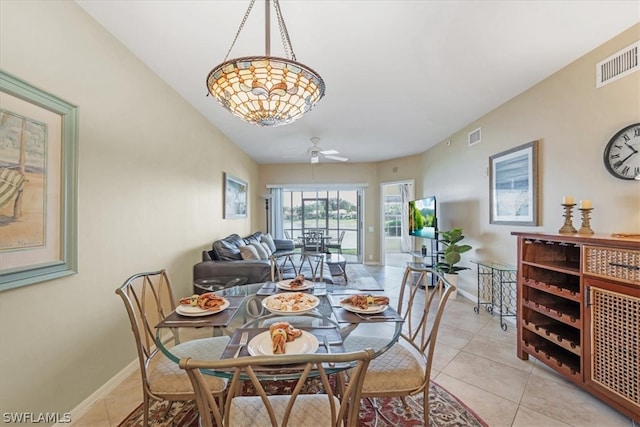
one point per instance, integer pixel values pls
(445, 410)
(359, 278)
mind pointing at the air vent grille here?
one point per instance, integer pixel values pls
(618, 65)
(474, 137)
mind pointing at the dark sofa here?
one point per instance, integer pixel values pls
(225, 261)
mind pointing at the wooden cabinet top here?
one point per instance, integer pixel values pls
(594, 239)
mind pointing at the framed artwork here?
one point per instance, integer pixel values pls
(514, 186)
(38, 185)
(235, 197)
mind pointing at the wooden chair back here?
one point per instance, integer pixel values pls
(296, 408)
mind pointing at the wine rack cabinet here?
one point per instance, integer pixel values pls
(578, 312)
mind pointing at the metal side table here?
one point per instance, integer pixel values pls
(501, 279)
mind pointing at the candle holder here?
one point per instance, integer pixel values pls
(568, 215)
(586, 226)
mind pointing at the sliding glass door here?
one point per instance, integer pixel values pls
(333, 211)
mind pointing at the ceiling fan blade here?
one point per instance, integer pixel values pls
(342, 159)
(329, 152)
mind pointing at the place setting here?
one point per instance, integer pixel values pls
(356, 308)
(298, 284)
(283, 338)
(207, 309)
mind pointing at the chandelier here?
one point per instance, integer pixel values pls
(266, 90)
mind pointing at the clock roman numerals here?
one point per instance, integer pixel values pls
(622, 153)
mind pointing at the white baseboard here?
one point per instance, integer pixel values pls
(102, 392)
(473, 298)
(467, 295)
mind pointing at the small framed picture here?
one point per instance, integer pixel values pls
(514, 186)
(235, 197)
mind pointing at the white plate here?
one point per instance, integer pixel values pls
(372, 309)
(285, 284)
(284, 303)
(195, 311)
(261, 345)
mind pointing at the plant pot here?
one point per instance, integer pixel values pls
(452, 279)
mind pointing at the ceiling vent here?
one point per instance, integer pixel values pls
(618, 65)
(474, 137)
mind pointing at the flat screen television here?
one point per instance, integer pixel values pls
(423, 221)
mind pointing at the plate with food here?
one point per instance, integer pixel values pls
(296, 284)
(282, 338)
(202, 305)
(290, 303)
(365, 304)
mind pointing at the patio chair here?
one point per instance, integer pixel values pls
(405, 369)
(294, 409)
(297, 243)
(148, 298)
(337, 243)
(313, 241)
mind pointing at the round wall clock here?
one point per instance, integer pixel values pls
(622, 153)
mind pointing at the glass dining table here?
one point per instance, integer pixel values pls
(326, 324)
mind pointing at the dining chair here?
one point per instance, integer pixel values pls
(281, 265)
(335, 408)
(148, 298)
(312, 266)
(336, 244)
(404, 370)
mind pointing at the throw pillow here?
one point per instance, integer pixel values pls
(249, 252)
(267, 248)
(253, 238)
(262, 254)
(268, 239)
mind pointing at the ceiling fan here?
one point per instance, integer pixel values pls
(316, 152)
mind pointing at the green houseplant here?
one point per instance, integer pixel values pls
(452, 251)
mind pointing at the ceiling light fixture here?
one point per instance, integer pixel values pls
(266, 90)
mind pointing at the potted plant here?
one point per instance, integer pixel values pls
(451, 253)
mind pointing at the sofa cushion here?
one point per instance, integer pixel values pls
(267, 249)
(268, 239)
(262, 253)
(249, 252)
(253, 238)
(228, 249)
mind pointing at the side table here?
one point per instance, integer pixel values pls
(501, 278)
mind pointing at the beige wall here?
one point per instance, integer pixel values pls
(151, 188)
(573, 122)
(150, 197)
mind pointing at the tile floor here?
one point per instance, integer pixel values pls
(475, 360)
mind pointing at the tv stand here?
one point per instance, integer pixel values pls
(428, 260)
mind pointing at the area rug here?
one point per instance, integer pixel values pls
(445, 410)
(359, 278)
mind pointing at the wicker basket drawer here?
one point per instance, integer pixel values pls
(612, 263)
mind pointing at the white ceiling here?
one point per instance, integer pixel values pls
(401, 75)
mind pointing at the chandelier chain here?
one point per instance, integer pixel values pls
(284, 34)
(246, 15)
